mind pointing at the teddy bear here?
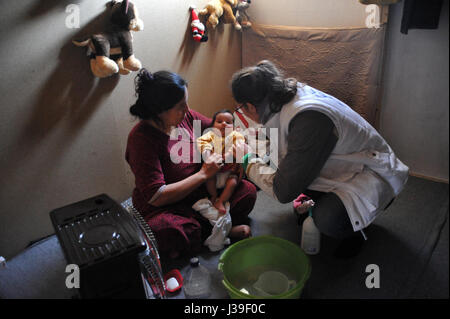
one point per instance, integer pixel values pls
(241, 14)
(214, 9)
(111, 51)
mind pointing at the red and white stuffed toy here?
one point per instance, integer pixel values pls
(198, 28)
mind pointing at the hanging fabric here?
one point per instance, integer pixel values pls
(419, 14)
(343, 62)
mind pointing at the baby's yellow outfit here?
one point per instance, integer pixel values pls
(218, 144)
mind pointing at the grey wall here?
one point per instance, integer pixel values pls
(63, 132)
(415, 108)
(309, 13)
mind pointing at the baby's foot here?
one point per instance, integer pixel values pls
(240, 232)
(218, 204)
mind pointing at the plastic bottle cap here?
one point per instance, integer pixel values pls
(310, 212)
(194, 262)
(172, 284)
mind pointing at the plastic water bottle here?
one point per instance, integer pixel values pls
(197, 284)
(310, 236)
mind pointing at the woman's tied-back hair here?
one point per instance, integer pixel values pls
(263, 82)
(156, 93)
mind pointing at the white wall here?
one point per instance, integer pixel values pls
(309, 13)
(63, 132)
(415, 108)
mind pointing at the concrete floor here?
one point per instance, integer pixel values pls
(409, 242)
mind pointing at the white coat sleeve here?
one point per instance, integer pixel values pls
(262, 175)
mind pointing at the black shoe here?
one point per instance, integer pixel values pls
(349, 247)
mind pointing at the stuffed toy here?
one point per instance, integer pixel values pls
(112, 51)
(241, 14)
(198, 28)
(214, 9)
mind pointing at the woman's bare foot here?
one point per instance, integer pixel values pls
(240, 232)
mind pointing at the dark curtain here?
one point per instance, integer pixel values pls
(420, 14)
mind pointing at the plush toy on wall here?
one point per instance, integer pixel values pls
(241, 13)
(198, 28)
(215, 9)
(112, 51)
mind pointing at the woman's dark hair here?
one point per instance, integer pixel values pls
(221, 112)
(156, 93)
(263, 82)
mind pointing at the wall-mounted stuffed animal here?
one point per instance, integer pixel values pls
(241, 13)
(215, 9)
(198, 29)
(112, 51)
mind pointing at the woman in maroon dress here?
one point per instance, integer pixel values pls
(168, 174)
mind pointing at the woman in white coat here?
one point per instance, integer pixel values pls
(325, 150)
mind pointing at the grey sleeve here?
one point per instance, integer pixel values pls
(311, 139)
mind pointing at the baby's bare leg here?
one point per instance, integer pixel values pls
(211, 187)
(230, 186)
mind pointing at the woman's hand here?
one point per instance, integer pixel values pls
(177, 191)
(240, 149)
(212, 165)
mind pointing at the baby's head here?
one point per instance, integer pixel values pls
(223, 120)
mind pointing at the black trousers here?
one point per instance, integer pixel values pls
(330, 215)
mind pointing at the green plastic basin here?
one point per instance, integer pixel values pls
(247, 256)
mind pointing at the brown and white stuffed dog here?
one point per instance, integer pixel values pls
(215, 9)
(112, 51)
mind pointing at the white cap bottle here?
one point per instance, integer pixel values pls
(197, 284)
(310, 236)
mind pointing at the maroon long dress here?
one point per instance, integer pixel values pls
(177, 227)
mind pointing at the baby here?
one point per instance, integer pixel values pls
(220, 140)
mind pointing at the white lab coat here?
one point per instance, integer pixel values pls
(362, 169)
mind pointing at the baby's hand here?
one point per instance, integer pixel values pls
(211, 166)
(205, 155)
(228, 157)
(240, 149)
